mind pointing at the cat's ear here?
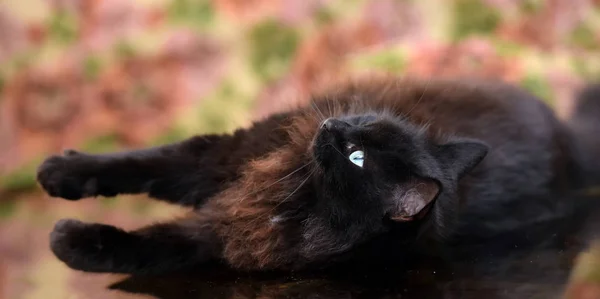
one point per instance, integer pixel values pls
(460, 157)
(412, 200)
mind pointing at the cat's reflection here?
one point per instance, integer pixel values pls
(539, 275)
(538, 268)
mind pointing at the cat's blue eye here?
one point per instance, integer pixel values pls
(357, 158)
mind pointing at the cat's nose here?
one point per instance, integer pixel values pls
(334, 124)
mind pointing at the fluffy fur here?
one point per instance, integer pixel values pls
(448, 165)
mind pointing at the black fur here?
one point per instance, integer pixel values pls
(449, 167)
(185, 173)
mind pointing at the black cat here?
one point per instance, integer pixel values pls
(373, 170)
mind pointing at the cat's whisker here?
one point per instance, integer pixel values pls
(280, 180)
(420, 98)
(305, 178)
(316, 108)
(314, 114)
(329, 107)
(334, 108)
(308, 176)
(336, 150)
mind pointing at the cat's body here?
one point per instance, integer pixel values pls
(446, 165)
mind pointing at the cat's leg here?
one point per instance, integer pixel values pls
(156, 249)
(186, 172)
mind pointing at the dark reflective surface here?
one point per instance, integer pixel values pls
(540, 274)
(532, 262)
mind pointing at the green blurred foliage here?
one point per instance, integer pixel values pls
(109, 202)
(508, 48)
(63, 27)
(531, 6)
(539, 87)
(473, 17)
(7, 209)
(92, 67)
(22, 179)
(272, 46)
(585, 37)
(125, 50)
(387, 60)
(324, 16)
(218, 112)
(100, 144)
(175, 133)
(194, 13)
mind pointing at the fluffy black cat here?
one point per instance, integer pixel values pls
(372, 170)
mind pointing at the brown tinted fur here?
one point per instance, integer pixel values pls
(264, 198)
(242, 213)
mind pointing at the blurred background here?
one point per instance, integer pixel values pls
(104, 75)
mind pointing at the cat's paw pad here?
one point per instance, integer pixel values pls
(84, 246)
(65, 176)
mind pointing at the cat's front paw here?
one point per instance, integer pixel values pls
(86, 246)
(67, 176)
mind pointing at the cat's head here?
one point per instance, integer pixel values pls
(376, 172)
